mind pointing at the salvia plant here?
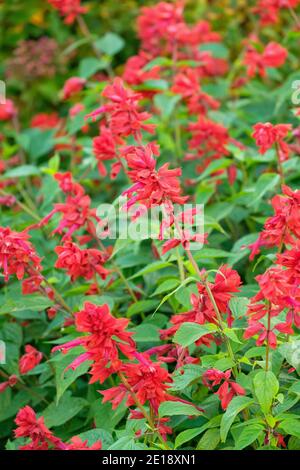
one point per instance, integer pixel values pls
(183, 332)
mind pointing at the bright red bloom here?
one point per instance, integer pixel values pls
(269, 10)
(227, 390)
(17, 255)
(147, 379)
(70, 9)
(7, 110)
(12, 380)
(104, 147)
(41, 438)
(45, 121)
(107, 337)
(274, 55)
(266, 135)
(209, 139)
(134, 73)
(284, 226)
(76, 211)
(125, 118)
(151, 187)
(30, 359)
(73, 86)
(81, 263)
(187, 85)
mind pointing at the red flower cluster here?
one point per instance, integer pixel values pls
(45, 121)
(30, 359)
(283, 228)
(7, 110)
(227, 282)
(10, 382)
(186, 84)
(123, 112)
(147, 380)
(106, 339)
(70, 9)
(104, 147)
(17, 255)
(266, 135)
(41, 438)
(269, 10)
(84, 263)
(151, 187)
(274, 55)
(76, 211)
(227, 390)
(73, 86)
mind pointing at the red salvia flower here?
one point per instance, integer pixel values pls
(30, 359)
(266, 135)
(7, 110)
(70, 9)
(274, 55)
(45, 121)
(106, 338)
(151, 187)
(10, 382)
(73, 86)
(147, 379)
(17, 255)
(104, 147)
(81, 263)
(227, 390)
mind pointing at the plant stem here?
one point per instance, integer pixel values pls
(180, 265)
(268, 330)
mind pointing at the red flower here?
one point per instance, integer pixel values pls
(227, 390)
(104, 147)
(17, 255)
(7, 110)
(187, 85)
(81, 263)
(30, 359)
(45, 121)
(125, 118)
(107, 337)
(73, 86)
(41, 438)
(12, 380)
(151, 186)
(147, 379)
(209, 139)
(274, 55)
(284, 226)
(266, 135)
(70, 9)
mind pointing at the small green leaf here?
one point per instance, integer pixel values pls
(248, 435)
(190, 332)
(173, 408)
(266, 387)
(110, 44)
(236, 405)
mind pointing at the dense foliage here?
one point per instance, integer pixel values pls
(180, 338)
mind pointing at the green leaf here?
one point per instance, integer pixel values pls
(248, 435)
(166, 286)
(64, 378)
(67, 408)
(156, 266)
(185, 375)
(209, 440)
(189, 434)
(266, 387)
(266, 182)
(89, 66)
(190, 332)
(290, 351)
(33, 302)
(141, 306)
(110, 44)
(173, 408)
(291, 426)
(22, 170)
(236, 405)
(166, 104)
(238, 306)
(216, 48)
